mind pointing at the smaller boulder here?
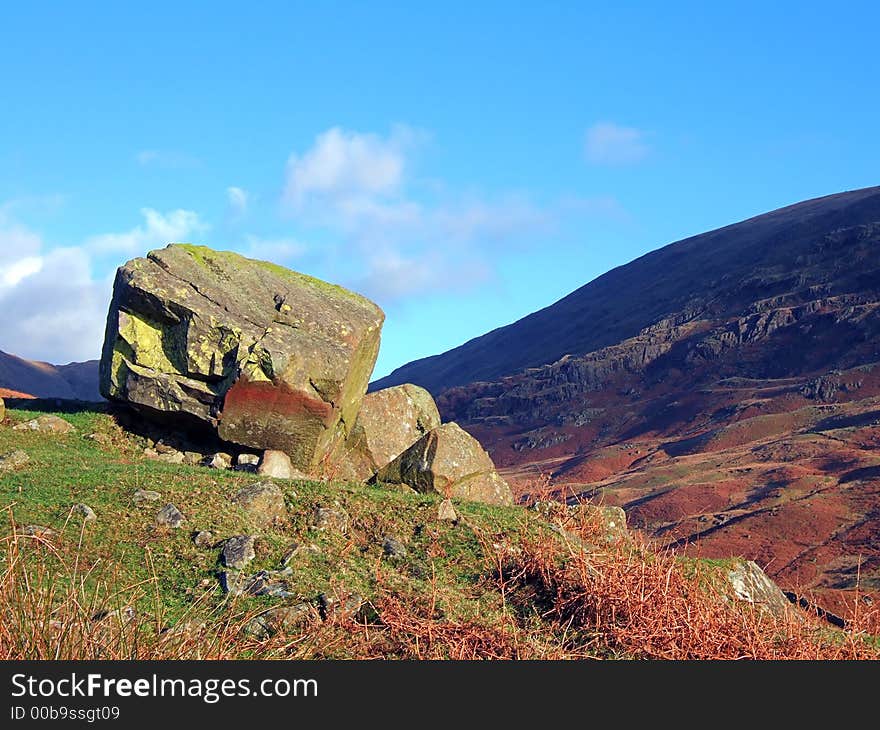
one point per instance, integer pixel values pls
(294, 550)
(277, 465)
(264, 503)
(46, 424)
(171, 457)
(238, 551)
(749, 583)
(169, 516)
(47, 533)
(220, 460)
(2, 410)
(282, 619)
(451, 462)
(203, 539)
(392, 419)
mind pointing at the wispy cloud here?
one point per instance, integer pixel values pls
(158, 229)
(277, 250)
(397, 236)
(237, 199)
(607, 143)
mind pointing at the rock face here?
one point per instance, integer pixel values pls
(392, 419)
(270, 358)
(451, 462)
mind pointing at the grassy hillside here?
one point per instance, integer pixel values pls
(398, 582)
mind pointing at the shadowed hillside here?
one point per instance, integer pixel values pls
(74, 381)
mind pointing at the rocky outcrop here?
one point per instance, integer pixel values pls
(752, 585)
(269, 358)
(449, 461)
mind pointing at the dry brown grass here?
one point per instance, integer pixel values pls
(559, 601)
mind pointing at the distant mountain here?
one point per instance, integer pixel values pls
(724, 390)
(74, 381)
(718, 273)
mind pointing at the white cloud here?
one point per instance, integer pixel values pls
(607, 143)
(344, 165)
(237, 199)
(157, 231)
(396, 234)
(54, 306)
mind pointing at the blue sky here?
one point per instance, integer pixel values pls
(461, 163)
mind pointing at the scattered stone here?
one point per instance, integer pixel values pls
(13, 460)
(203, 539)
(171, 457)
(238, 551)
(751, 584)
(264, 503)
(123, 616)
(609, 521)
(86, 512)
(142, 496)
(192, 458)
(451, 462)
(328, 518)
(446, 511)
(261, 583)
(2, 410)
(276, 464)
(281, 619)
(393, 548)
(247, 462)
(297, 549)
(219, 460)
(46, 424)
(169, 516)
(47, 533)
(284, 357)
(163, 448)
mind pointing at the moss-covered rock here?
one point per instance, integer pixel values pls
(268, 357)
(449, 461)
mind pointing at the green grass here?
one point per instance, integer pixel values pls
(71, 469)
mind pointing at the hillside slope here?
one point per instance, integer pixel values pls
(74, 381)
(718, 273)
(723, 390)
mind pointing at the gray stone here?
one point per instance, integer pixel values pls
(86, 512)
(264, 503)
(203, 539)
(142, 496)
(752, 585)
(247, 462)
(346, 605)
(238, 551)
(42, 531)
(169, 516)
(296, 549)
(261, 583)
(393, 548)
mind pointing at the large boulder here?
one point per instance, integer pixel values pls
(270, 358)
(449, 461)
(393, 419)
